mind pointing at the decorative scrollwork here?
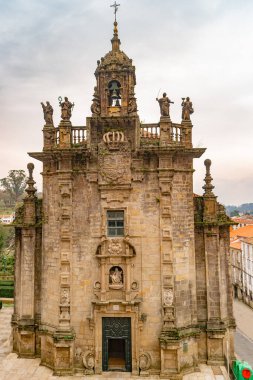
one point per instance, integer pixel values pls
(89, 361)
(144, 361)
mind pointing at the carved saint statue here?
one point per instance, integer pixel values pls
(187, 109)
(66, 109)
(116, 276)
(164, 104)
(95, 107)
(48, 113)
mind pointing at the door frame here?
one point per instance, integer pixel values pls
(113, 328)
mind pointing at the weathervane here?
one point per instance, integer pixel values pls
(115, 6)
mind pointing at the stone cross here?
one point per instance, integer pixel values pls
(115, 6)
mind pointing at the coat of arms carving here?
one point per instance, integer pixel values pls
(114, 165)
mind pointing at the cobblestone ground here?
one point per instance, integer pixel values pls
(14, 368)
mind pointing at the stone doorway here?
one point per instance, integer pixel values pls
(116, 355)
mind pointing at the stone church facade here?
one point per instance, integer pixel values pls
(120, 266)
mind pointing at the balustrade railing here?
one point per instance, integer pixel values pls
(176, 133)
(150, 131)
(78, 135)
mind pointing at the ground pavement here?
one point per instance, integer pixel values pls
(14, 368)
(244, 318)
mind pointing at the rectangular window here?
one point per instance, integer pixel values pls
(115, 223)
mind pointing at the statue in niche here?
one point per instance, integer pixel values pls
(164, 104)
(187, 109)
(66, 108)
(116, 276)
(95, 107)
(48, 113)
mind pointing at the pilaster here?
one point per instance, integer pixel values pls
(24, 314)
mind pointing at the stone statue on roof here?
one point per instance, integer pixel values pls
(48, 113)
(164, 104)
(187, 109)
(66, 108)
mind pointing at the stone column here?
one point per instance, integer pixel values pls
(23, 319)
(219, 321)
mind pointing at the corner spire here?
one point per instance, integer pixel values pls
(30, 182)
(115, 40)
(208, 187)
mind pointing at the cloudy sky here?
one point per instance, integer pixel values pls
(197, 48)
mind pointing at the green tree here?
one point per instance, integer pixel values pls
(14, 184)
(234, 213)
(7, 243)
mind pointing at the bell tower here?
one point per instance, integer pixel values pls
(115, 76)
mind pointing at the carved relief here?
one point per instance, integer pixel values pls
(89, 362)
(144, 361)
(65, 296)
(78, 355)
(168, 297)
(114, 166)
(115, 247)
(134, 285)
(97, 285)
(169, 316)
(114, 138)
(64, 313)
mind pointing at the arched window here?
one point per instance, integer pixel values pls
(114, 93)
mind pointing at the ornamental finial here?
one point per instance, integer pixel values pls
(115, 40)
(208, 187)
(115, 6)
(30, 182)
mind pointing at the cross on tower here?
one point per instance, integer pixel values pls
(115, 6)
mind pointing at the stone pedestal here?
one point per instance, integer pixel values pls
(49, 137)
(179, 352)
(186, 132)
(63, 357)
(26, 338)
(165, 130)
(65, 134)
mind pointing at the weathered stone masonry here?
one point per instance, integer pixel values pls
(120, 266)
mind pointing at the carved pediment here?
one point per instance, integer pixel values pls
(115, 247)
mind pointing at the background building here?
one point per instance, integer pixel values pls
(242, 263)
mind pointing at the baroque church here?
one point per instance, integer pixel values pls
(120, 267)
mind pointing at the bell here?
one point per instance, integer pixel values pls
(114, 94)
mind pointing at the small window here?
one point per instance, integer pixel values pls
(115, 223)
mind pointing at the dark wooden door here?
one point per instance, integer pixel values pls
(117, 333)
